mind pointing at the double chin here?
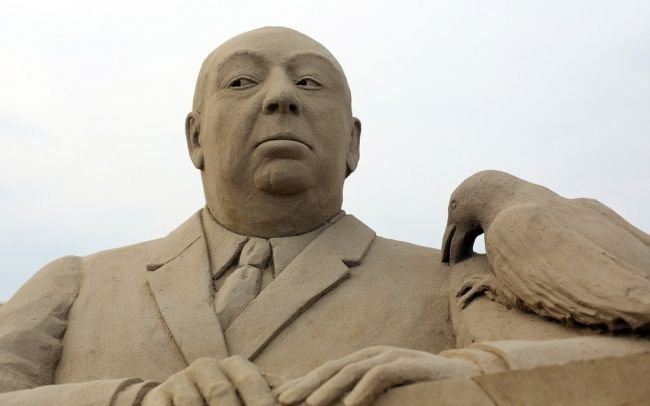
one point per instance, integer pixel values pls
(281, 199)
(283, 177)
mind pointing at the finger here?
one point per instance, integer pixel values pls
(184, 392)
(213, 384)
(273, 380)
(297, 390)
(347, 377)
(403, 371)
(248, 380)
(285, 386)
(157, 397)
(383, 377)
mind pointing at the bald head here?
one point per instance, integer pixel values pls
(280, 41)
(271, 128)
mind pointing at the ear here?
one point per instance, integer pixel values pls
(352, 158)
(192, 132)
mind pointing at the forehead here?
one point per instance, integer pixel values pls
(273, 44)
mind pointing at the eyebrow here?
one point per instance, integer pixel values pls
(315, 55)
(237, 55)
(244, 53)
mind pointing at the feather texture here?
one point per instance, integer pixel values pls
(573, 260)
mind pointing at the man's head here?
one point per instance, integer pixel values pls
(272, 132)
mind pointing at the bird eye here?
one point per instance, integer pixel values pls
(242, 82)
(309, 83)
(453, 204)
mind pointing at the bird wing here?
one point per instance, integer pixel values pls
(597, 207)
(546, 260)
(610, 230)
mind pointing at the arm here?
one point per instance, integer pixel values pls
(371, 371)
(527, 354)
(32, 325)
(114, 392)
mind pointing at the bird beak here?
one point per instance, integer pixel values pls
(446, 242)
(457, 244)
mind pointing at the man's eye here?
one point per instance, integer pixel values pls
(241, 83)
(309, 83)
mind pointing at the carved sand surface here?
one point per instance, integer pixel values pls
(271, 294)
(587, 265)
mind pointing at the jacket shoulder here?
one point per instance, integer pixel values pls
(139, 253)
(403, 251)
(143, 254)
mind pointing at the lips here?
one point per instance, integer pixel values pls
(283, 136)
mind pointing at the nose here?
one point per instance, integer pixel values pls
(282, 98)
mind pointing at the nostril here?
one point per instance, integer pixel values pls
(281, 105)
(271, 107)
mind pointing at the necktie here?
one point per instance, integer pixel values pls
(244, 283)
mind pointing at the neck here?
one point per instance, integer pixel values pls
(504, 196)
(263, 215)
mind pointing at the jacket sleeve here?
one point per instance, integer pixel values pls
(508, 355)
(106, 392)
(32, 325)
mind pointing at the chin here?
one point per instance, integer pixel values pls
(284, 178)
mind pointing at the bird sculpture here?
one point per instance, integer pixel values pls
(573, 260)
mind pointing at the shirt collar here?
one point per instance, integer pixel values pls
(224, 245)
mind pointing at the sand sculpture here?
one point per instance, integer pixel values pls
(588, 265)
(271, 294)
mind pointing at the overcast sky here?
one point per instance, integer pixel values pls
(93, 97)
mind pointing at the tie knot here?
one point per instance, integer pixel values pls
(256, 252)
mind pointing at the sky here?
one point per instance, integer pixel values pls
(93, 98)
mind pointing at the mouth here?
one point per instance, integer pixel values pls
(284, 136)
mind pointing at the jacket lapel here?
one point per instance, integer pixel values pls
(180, 282)
(318, 269)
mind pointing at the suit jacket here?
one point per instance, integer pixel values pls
(100, 329)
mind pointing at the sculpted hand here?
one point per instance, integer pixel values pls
(212, 382)
(368, 373)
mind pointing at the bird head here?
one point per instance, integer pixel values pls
(472, 207)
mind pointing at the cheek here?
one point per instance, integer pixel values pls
(330, 122)
(231, 123)
(334, 137)
(333, 156)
